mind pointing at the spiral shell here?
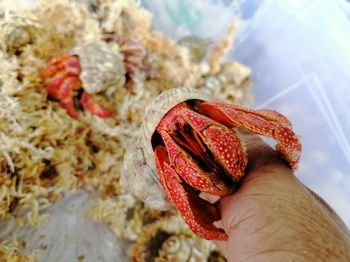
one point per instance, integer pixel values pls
(138, 175)
(169, 239)
(101, 66)
(177, 248)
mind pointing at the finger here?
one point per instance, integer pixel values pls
(208, 197)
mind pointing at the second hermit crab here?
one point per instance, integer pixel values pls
(193, 145)
(75, 79)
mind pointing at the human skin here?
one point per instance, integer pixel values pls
(274, 217)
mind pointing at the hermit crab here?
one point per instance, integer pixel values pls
(192, 144)
(74, 78)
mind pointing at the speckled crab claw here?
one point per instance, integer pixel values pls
(89, 68)
(195, 148)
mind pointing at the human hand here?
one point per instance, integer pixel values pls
(274, 217)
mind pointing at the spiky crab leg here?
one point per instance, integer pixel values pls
(188, 169)
(88, 103)
(221, 141)
(196, 212)
(262, 122)
(62, 65)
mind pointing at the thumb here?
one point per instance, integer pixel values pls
(269, 198)
(266, 170)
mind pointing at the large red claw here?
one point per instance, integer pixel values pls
(221, 141)
(262, 122)
(189, 170)
(61, 78)
(88, 103)
(61, 88)
(68, 104)
(196, 212)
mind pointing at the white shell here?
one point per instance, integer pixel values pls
(139, 176)
(158, 108)
(101, 66)
(138, 179)
(181, 248)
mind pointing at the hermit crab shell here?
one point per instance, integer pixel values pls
(181, 248)
(102, 66)
(139, 175)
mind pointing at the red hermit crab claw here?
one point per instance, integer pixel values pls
(93, 68)
(196, 149)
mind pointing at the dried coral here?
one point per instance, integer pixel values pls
(9, 252)
(44, 152)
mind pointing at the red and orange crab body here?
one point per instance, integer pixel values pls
(197, 149)
(61, 80)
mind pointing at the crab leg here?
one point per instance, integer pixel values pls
(62, 65)
(222, 142)
(62, 88)
(88, 103)
(207, 139)
(196, 212)
(68, 104)
(190, 171)
(262, 122)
